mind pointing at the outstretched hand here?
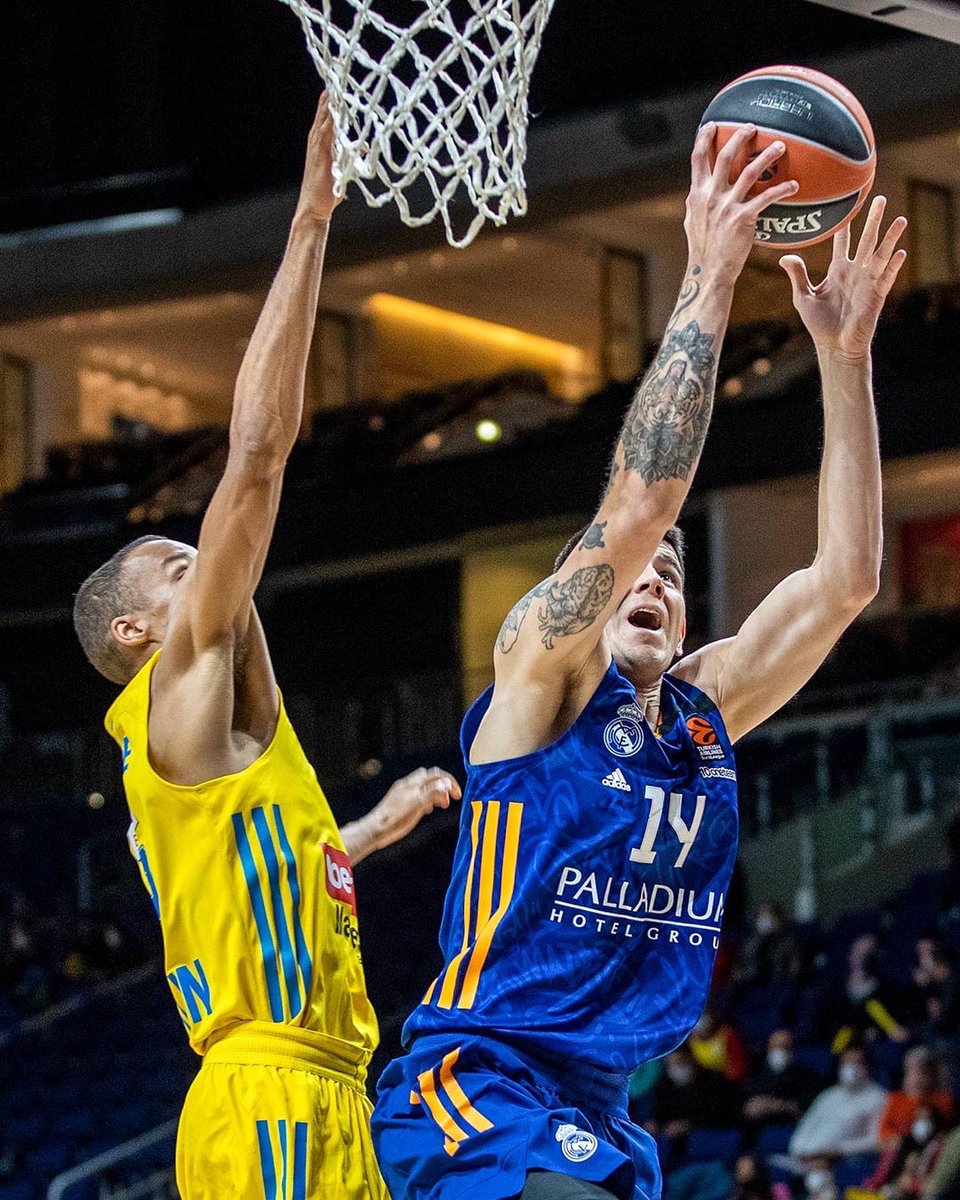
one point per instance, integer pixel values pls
(842, 311)
(316, 192)
(408, 801)
(722, 214)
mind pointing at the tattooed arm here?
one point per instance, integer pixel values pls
(790, 633)
(550, 647)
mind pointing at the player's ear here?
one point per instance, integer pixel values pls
(683, 634)
(132, 629)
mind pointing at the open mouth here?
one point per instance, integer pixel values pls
(646, 618)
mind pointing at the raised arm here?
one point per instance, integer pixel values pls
(267, 410)
(791, 632)
(215, 663)
(555, 631)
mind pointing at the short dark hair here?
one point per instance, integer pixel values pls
(673, 537)
(103, 595)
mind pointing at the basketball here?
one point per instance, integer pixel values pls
(830, 149)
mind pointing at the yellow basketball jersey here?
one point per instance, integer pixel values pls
(252, 885)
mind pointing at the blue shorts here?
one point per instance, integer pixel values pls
(468, 1121)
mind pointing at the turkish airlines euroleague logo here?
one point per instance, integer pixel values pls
(340, 877)
(704, 737)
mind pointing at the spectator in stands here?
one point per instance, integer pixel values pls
(922, 1088)
(845, 1118)
(943, 1183)
(772, 952)
(716, 1045)
(935, 992)
(24, 976)
(782, 1090)
(688, 1095)
(866, 1011)
(906, 1167)
(751, 1181)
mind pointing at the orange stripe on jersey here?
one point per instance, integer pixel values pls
(450, 978)
(459, 1097)
(451, 1130)
(508, 876)
(488, 863)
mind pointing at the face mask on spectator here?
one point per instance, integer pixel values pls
(922, 1129)
(850, 1074)
(765, 923)
(779, 1058)
(680, 1073)
(860, 989)
(818, 1180)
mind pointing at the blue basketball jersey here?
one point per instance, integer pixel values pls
(587, 894)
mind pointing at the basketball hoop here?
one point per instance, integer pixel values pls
(430, 112)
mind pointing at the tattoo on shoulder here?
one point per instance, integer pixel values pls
(510, 629)
(593, 538)
(667, 422)
(572, 605)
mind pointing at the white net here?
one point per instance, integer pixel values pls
(430, 108)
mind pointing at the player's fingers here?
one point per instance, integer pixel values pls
(871, 229)
(700, 158)
(881, 260)
(796, 270)
(728, 155)
(841, 244)
(773, 195)
(756, 168)
(440, 782)
(889, 277)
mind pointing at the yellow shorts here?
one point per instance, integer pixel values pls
(278, 1113)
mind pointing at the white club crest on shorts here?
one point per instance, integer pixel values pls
(623, 736)
(576, 1144)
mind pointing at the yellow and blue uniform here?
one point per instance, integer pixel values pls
(254, 891)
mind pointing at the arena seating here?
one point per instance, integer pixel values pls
(75, 1087)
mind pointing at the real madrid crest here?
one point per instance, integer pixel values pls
(623, 735)
(576, 1144)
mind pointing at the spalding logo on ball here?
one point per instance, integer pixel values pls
(831, 151)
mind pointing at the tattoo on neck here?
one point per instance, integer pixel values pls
(667, 422)
(568, 606)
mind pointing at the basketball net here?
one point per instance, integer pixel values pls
(430, 113)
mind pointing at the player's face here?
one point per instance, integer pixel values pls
(156, 570)
(650, 623)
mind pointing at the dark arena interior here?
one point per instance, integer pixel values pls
(460, 413)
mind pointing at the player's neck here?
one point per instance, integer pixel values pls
(648, 698)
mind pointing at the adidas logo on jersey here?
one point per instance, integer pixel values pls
(617, 779)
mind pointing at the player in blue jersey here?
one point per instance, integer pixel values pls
(599, 827)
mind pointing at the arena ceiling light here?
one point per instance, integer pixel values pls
(99, 227)
(935, 18)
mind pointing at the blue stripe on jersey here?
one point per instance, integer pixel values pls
(300, 1161)
(148, 876)
(267, 947)
(282, 1128)
(290, 977)
(303, 954)
(268, 1170)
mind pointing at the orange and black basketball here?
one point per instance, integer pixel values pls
(830, 149)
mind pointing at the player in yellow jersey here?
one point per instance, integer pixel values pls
(247, 871)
